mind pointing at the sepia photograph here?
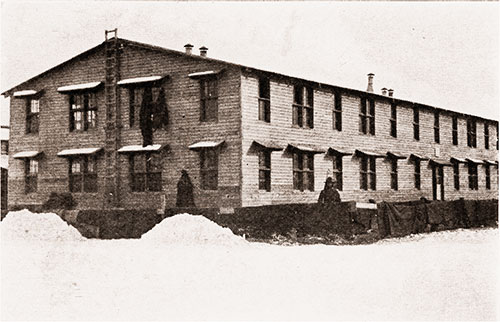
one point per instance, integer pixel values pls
(249, 160)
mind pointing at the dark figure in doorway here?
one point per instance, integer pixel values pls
(185, 196)
(329, 196)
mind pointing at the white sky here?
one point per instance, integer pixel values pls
(442, 54)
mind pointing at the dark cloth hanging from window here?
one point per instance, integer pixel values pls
(160, 112)
(145, 117)
(185, 196)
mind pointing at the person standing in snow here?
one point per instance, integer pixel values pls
(329, 196)
(185, 196)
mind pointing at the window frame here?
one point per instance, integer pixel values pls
(265, 169)
(4, 147)
(367, 116)
(86, 180)
(417, 173)
(394, 120)
(32, 117)
(264, 100)
(416, 123)
(303, 108)
(437, 138)
(486, 136)
(150, 181)
(337, 111)
(394, 173)
(454, 130)
(31, 170)
(456, 176)
(209, 170)
(303, 170)
(473, 176)
(338, 170)
(487, 173)
(368, 173)
(471, 133)
(89, 106)
(209, 94)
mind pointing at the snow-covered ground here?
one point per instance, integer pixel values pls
(446, 275)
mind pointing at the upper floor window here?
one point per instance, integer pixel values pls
(209, 169)
(151, 101)
(436, 127)
(31, 175)
(367, 116)
(394, 120)
(486, 136)
(416, 123)
(337, 171)
(83, 174)
(367, 171)
(471, 133)
(473, 182)
(337, 112)
(5, 147)
(264, 100)
(454, 130)
(145, 172)
(83, 111)
(32, 115)
(303, 100)
(209, 109)
(265, 169)
(303, 171)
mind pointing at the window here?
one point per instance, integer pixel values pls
(209, 94)
(456, 175)
(83, 174)
(486, 136)
(454, 131)
(209, 169)
(303, 171)
(473, 183)
(416, 123)
(83, 111)
(31, 176)
(265, 170)
(394, 173)
(4, 147)
(368, 178)
(367, 116)
(337, 171)
(497, 136)
(417, 173)
(488, 176)
(394, 120)
(436, 127)
(337, 112)
(264, 100)
(32, 115)
(136, 95)
(303, 100)
(145, 172)
(471, 133)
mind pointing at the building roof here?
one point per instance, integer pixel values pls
(244, 68)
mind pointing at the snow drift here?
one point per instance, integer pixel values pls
(28, 226)
(186, 229)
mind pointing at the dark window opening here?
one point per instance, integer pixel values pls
(416, 123)
(337, 171)
(83, 111)
(454, 131)
(4, 147)
(209, 169)
(209, 99)
(264, 100)
(394, 174)
(31, 176)
(368, 177)
(436, 127)
(83, 174)
(456, 175)
(488, 176)
(394, 120)
(156, 108)
(145, 172)
(303, 101)
(303, 171)
(367, 116)
(473, 180)
(337, 112)
(486, 136)
(265, 170)
(471, 133)
(417, 174)
(32, 115)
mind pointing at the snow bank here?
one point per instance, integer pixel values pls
(188, 229)
(28, 226)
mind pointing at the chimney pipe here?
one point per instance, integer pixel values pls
(189, 48)
(203, 51)
(391, 92)
(384, 91)
(370, 83)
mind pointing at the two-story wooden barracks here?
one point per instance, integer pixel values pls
(245, 136)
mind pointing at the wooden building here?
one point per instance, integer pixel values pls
(245, 136)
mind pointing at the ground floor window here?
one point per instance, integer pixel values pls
(394, 174)
(209, 169)
(488, 176)
(31, 176)
(337, 171)
(368, 176)
(303, 171)
(456, 175)
(416, 175)
(145, 172)
(83, 174)
(473, 182)
(265, 170)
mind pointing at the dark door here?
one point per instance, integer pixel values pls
(437, 182)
